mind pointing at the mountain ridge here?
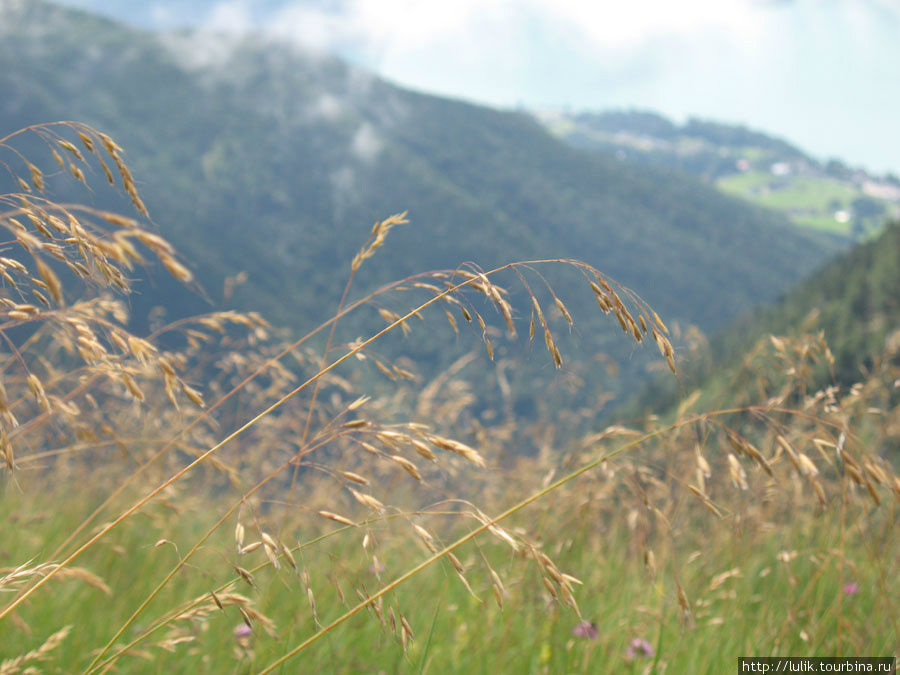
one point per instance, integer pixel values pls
(283, 159)
(742, 162)
(850, 304)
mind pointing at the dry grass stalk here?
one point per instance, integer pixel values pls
(743, 447)
(426, 537)
(15, 577)
(245, 575)
(687, 613)
(42, 653)
(738, 475)
(367, 500)
(239, 535)
(379, 232)
(704, 499)
(85, 576)
(8, 456)
(407, 466)
(458, 448)
(337, 518)
(307, 585)
(270, 548)
(355, 477)
(789, 450)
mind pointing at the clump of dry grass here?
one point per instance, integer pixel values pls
(64, 267)
(81, 376)
(283, 447)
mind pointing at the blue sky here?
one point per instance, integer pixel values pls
(824, 74)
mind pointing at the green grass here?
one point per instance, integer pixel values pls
(806, 200)
(809, 193)
(793, 605)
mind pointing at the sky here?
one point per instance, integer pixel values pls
(823, 74)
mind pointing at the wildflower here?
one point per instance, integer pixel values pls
(639, 647)
(586, 629)
(242, 631)
(851, 589)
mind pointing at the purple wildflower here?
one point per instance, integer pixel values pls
(586, 629)
(851, 589)
(242, 631)
(639, 647)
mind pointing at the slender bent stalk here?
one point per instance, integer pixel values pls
(474, 533)
(25, 594)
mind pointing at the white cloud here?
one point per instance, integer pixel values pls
(161, 15)
(231, 16)
(327, 107)
(617, 24)
(405, 26)
(498, 51)
(343, 191)
(818, 71)
(199, 50)
(366, 143)
(803, 68)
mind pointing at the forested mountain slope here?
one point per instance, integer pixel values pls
(852, 305)
(258, 156)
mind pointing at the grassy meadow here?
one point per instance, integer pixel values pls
(220, 496)
(810, 201)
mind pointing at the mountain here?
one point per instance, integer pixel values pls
(258, 156)
(767, 171)
(180, 13)
(853, 301)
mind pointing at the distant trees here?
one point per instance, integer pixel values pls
(867, 207)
